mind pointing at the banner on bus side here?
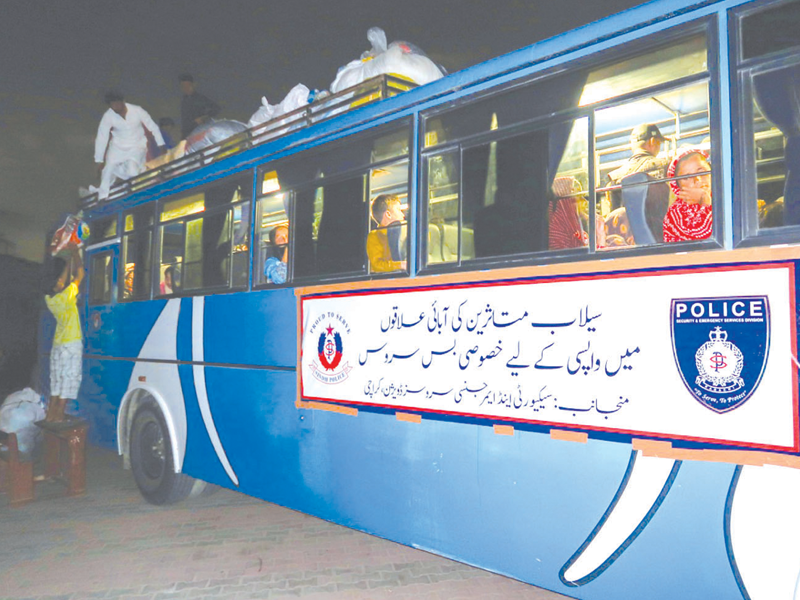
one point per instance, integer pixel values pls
(702, 355)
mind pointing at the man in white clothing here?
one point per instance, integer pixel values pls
(120, 148)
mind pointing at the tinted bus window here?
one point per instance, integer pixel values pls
(331, 224)
(771, 30)
(770, 153)
(203, 238)
(774, 140)
(102, 229)
(101, 273)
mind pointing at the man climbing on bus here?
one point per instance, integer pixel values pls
(384, 243)
(120, 149)
(66, 356)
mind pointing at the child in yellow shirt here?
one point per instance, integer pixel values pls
(66, 357)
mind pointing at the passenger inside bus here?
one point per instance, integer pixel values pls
(277, 255)
(167, 282)
(569, 217)
(640, 201)
(384, 244)
(689, 217)
(130, 274)
(646, 141)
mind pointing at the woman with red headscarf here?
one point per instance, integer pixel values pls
(689, 217)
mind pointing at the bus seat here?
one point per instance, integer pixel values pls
(434, 244)
(449, 242)
(645, 204)
(467, 244)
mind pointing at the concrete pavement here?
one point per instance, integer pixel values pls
(111, 544)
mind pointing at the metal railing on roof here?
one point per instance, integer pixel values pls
(367, 92)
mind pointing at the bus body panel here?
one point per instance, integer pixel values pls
(593, 513)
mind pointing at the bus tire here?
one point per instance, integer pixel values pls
(151, 459)
(209, 490)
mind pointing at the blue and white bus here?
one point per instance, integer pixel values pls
(532, 381)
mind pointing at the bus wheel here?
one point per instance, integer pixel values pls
(151, 459)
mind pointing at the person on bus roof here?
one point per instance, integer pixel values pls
(120, 148)
(66, 356)
(689, 217)
(196, 109)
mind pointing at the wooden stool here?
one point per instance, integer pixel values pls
(65, 453)
(16, 471)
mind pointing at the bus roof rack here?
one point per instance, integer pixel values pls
(369, 91)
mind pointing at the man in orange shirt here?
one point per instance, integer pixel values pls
(387, 212)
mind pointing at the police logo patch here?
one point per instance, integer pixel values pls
(329, 367)
(721, 347)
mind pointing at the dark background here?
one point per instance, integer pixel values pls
(60, 57)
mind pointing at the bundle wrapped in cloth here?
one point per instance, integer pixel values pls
(212, 133)
(72, 234)
(298, 96)
(401, 59)
(18, 414)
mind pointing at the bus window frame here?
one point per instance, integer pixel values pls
(256, 264)
(404, 123)
(246, 175)
(747, 231)
(707, 25)
(97, 239)
(93, 257)
(152, 227)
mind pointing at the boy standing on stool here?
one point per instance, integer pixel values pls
(66, 356)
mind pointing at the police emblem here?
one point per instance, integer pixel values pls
(329, 349)
(721, 347)
(719, 363)
(328, 367)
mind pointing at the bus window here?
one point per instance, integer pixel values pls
(313, 214)
(102, 229)
(273, 239)
(568, 213)
(504, 195)
(769, 67)
(635, 143)
(769, 148)
(208, 251)
(240, 262)
(136, 253)
(101, 273)
(387, 240)
(171, 263)
(495, 189)
(331, 226)
(442, 242)
(669, 63)
(772, 30)
(204, 238)
(509, 194)
(505, 109)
